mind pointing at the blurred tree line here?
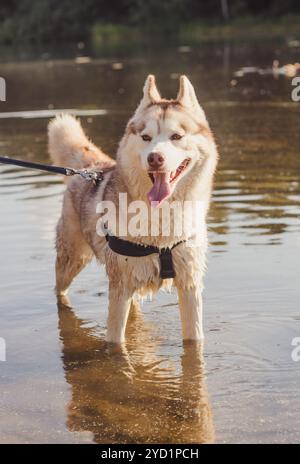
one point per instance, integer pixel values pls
(44, 20)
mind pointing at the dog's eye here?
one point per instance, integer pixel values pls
(146, 138)
(176, 137)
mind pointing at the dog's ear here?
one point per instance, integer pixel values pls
(151, 94)
(187, 96)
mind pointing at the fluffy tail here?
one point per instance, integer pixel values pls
(70, 147)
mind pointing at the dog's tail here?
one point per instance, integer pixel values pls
(70, 147)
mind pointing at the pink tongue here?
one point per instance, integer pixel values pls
(161, 188)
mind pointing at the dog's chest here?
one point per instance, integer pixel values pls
(142, 274)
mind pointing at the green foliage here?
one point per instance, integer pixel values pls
(54, 20)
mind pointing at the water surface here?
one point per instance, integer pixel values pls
(60, 382)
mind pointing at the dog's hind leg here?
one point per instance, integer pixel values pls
(190, 305)
(73, 252)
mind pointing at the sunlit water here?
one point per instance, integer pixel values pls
(60, 382)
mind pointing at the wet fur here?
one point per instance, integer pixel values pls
(77, 241)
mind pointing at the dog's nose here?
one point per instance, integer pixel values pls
(156, 160)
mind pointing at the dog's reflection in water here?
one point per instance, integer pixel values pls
(131, 395)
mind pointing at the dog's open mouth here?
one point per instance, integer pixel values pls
(162, 182)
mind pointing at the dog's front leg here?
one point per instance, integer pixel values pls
(119, 305)
(190, 305)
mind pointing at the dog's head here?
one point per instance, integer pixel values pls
(165, 140)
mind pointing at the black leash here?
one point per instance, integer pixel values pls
(126, 248)
(95, 176)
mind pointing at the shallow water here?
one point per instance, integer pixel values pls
(60, 382)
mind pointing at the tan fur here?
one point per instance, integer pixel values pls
(77, 240)
(70, 147)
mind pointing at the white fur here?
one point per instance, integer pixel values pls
(77, 239)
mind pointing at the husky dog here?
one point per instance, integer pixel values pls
(167, 154)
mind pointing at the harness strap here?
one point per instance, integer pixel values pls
(126, 248)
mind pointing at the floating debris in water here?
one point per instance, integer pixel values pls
(293, 43)
(288, 70)
(248, 70)
(184, 49)
(83, 59)
(117, 66)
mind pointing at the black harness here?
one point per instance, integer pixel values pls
(126, 248)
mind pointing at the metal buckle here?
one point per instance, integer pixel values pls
(85, 174)
(91, 176)
(70, 171)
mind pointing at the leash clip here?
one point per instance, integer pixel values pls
(70, 172)
(85, 174)
(91, 176)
